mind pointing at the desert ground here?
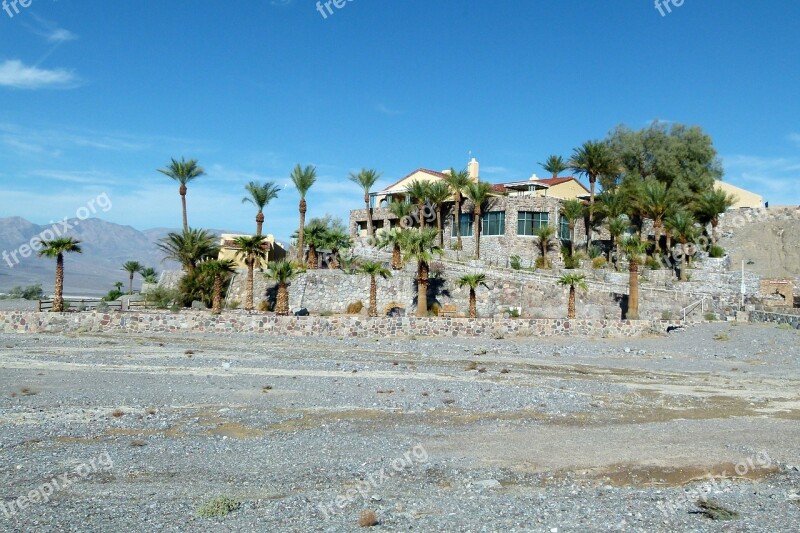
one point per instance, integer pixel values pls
(135, 433)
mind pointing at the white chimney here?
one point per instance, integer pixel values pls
(474, 169)
(446, 172)
(534, 177)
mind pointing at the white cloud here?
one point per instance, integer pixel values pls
(15, 74)
(775, 178)
(795, 138)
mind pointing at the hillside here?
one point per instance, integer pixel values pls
(766, 240)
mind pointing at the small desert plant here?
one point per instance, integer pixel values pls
(715, 511)
(722, 337)
(218, 507)
(326, 313)
(234, 304)
(355, 307)
(513, 313)
(118, 413)
(716, 251)
(542, 262)
(710, 317)
(175, 308)
(595, 252)
(515, 261)
(264, 306)
(367, 518)
(599, 262)
(666, 315)
(102, 307)
(653, 263)
(434, 310)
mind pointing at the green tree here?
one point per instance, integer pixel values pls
(190, 247)
(682, 225)
(479, 193)
(392, 238)
(57, 248)
(282, 272)
(458, 181)
(260, 194)
(439, 193)
(149, 275)
(373, 269)
(592, 159)
(419, 191)
(316, 237)
(709, 205)
(655, 200)
(617, 227)
(420, 246)
(544, 234)
(336, 240)
(635, 249)
(573, 280)
(573, 210)
(252, 250)
(183, 172)
(473, 281)
(217, 270)
(303, 179)
(366, 179)
(131, 267)
(555, 165)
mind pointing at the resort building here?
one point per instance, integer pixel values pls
(228, 250)
(744, 198)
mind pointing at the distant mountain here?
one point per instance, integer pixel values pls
(92, 273)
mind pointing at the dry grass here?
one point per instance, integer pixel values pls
(188, 352)
(715, 511)
(151, 411)
(367, 518)
(505, 371)
(138, 443)
(266, 388)
(471, 366)
(387, 391)
(26, 391)
(118, 413)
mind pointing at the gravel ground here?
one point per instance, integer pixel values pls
(551, 435)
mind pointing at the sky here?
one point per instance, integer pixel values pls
(95, 96)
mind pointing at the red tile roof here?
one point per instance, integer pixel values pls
(425, 170)
(545, 181)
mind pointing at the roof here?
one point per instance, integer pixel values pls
(547, 182)
(425, 170)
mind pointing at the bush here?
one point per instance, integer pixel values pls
(595, 252)
(218, 507)
(599, 262)
(234, 304)
(653, 263)
(513, 313)
(264, 306)
(102, 307)
(716, 251)
(175, 308)
(31, 292)
(571, 262)
(542, 262)
(326, 313)
(710, 317)
(666, 315)
(161, 297)
(434, 310)
(515, 262)
(112, 295)
(355, 308)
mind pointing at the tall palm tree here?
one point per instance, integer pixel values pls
(57, 248)
(419, 191)
(392, 238)
(438, 194)
(545, 235)
(682, 225)
(573, 280)
(420, 246)
(316, 237)
(183, 172)
(190, 247)
(261, 194)
(479, 192)
(282, 272)
(218, 269)
(617, 227)
(554, 164)
(252, 251)
(132, 267)
(654, 200)
(473, 281)
(573, 210)
(635, 249)
(592, 159)
(303, 179)
(709, 205)
(458, 180)
(149, 275)
(373, 269)
(366, 179)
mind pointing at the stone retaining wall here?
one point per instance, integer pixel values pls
(776, 318)
(345, 326)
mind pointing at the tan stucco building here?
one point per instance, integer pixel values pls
(744, 198)
(228, 249)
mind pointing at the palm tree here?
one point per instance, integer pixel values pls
(183, 172)
(573, 280)
(316, 236)
(337, 239)
(373, 269)
(217, 269)
(545, 233)
(634, 248)
(473, 281)
(709, 205)
(392, 238)
(682, 225)
(617, 226)
(479, 193)
(400, 209)
(438, 194)
(420, 246)
(190, 247)
(654, 200)
(252, 251)
(282, 272)
(149, 275)
(131, 267)
(458, 181)
(366, 179)
(419, 192)
(303, 179)
(260, 196)
(573, 210)
(57, 248)
(592, 160)
(555, 164)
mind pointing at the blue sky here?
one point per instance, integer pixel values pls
(97, 95)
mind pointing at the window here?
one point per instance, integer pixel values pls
(466, 225)
(529, 221)
(563, 229)
(493, 223)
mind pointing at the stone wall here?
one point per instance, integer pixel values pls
(239, 322)
(792, 319)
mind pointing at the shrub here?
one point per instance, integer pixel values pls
(571, 262)
(599, 262)
(175, 308)
(595, 252)
(355, 308)
(326, 313)
(234, 304)
(162, 297)
(716, 251)
(102, 307)
(437, 269)
(653, 263)
(513, 313)
(666, 315)
(264, 306)
(31, 292)
(218, 507)
(434, 310)
(711, 317)
(542, 262)
(515, 262)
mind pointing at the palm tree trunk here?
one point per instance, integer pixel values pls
(619, 254)
(477, 232)
(422, 289)
(373, 297)
(259, 222)
(282, 300)
(420, 210)
(439, 226)
(657, 235)
(571, 304)
(370, 232)
(130, 284)
(334, 262)
(668, 235)
(683, 260)
(58, 290)
(714, 223)
(610, 249)
(633, 291)
(248, 306)
(397, 257)
(183, 205)
(216, 305)
(458, 219)
(300, 250)
(473, 304)
(313, 260)
(572, 238)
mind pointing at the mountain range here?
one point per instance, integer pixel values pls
(106, 246)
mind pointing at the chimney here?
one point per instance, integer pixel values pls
(474, 169)
(446, 172)
(534, 177)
